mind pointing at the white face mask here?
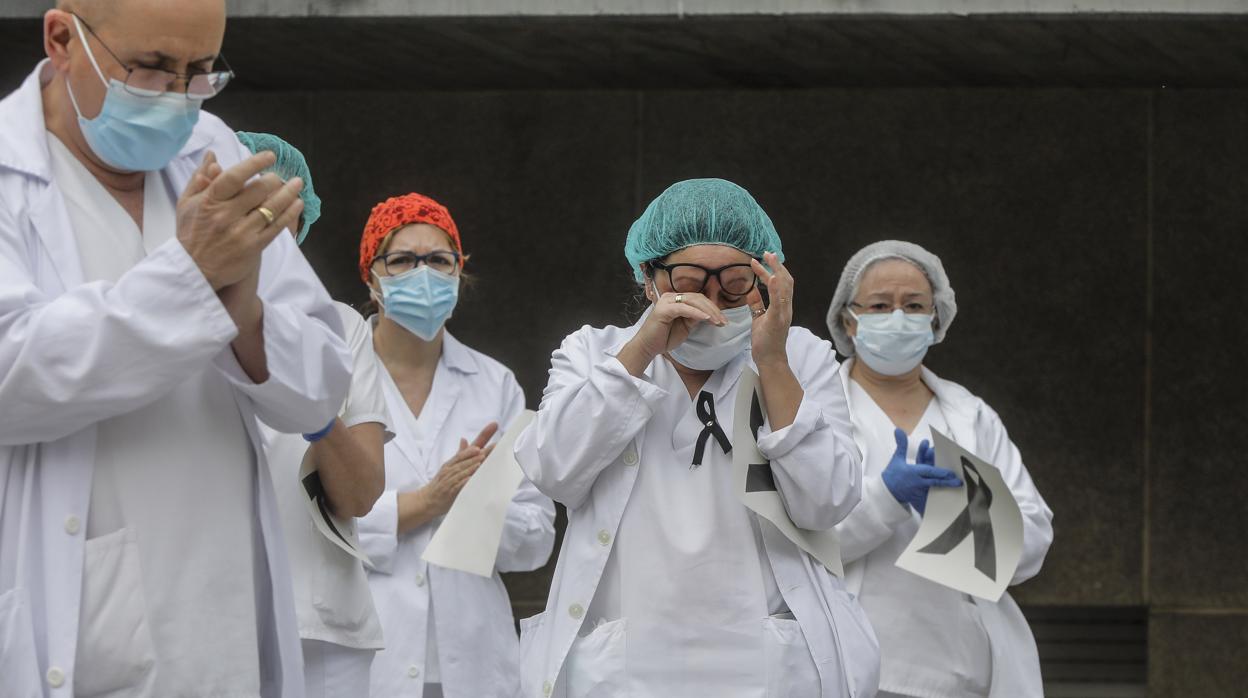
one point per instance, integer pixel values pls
(895, 343)
(710, 347)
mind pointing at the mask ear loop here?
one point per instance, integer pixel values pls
(86, 46)
(372, 292)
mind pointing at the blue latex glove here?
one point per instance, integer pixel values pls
(909, 482)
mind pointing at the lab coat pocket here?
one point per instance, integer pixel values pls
(18, 664)
(856, 642)
(595, 664)
(115, 652)
(791, 671)
(340, 589)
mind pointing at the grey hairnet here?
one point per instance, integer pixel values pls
(942, 292)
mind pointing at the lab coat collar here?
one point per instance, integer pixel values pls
(24, 140)
(456, 356)
(954, 400)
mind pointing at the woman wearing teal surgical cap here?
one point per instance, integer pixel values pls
(667, 584)
(323, 481)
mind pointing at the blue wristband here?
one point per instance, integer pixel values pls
(317, 436)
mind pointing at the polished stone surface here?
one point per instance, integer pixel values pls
(1199, 482)
(1197, 655)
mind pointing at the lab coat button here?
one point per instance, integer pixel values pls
(420, 580)
(604, 537)
(630, 457)
(547, 689)
(73, 525)
(576, 611)
(56, 677)
(413, 671)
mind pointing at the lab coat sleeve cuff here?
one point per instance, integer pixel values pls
(308, 366)
(528, 539)
(883, 506)
(776, 444)
(650, 393)
(379, 532)
(358, 419)
(195, 292)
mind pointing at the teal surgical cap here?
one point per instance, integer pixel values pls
(700, 212)
(290, 163)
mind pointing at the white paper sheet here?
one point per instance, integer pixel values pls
(756, 486)
(341, 532)
(971, 537)
(468, 538)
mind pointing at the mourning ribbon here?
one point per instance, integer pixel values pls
(974, 521)
(312, 485)
(710, 427)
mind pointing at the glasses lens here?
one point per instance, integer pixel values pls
(148, 82)
(207, 85)
(441, 261)
(399, 262)
(737, 281)
(687, 279)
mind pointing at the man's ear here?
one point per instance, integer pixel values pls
(58, 32)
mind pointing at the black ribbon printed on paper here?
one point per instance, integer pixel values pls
(312, 485)
(758, 478)
(710, 427)
(973, 521)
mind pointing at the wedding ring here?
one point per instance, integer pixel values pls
(757, 311)
(680, 298)
(268, 215)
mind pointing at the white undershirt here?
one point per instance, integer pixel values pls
(932, 643)
(178, 475)
(688, 569)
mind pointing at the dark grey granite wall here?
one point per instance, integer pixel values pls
(1096, 239)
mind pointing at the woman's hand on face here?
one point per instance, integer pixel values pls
(671, 321)
(770, 331)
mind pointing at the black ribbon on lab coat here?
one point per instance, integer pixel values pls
(974, 521)
(710, 427)
(316, 490)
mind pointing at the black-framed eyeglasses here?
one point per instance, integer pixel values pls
(735, 280)
(154, 82)
(395, 263)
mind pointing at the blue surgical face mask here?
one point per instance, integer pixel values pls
(133, 133)
(895, 343)
(420, 300)
(709, 347)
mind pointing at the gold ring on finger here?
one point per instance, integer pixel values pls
(680, 298)
(268, 215)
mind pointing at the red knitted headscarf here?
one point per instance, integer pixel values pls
(396, 212)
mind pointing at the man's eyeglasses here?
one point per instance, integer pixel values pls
(153, 82)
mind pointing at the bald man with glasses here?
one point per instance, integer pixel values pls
(151, 314)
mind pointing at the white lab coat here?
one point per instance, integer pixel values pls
(583, 450)
(74, 354)
(476, 637)
(977, 428)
